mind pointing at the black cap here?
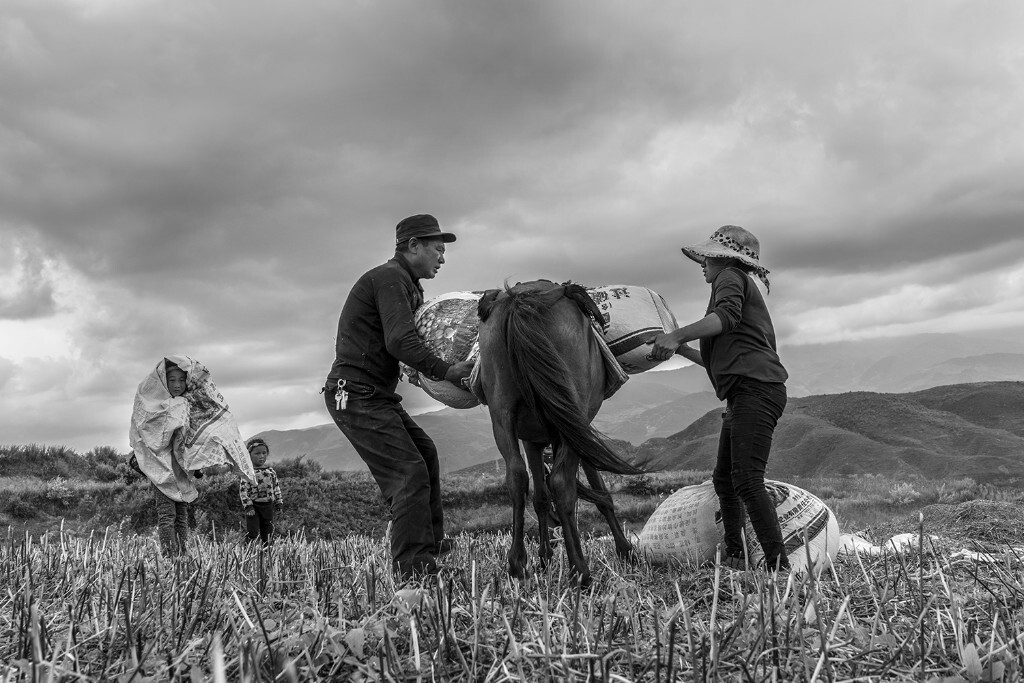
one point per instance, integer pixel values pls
(420, 225)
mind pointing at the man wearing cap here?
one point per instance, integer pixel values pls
(375, 332)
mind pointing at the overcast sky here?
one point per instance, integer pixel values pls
(209, 178)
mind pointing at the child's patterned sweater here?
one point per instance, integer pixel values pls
(267, 489)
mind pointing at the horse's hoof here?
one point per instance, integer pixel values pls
(627, 554)
(517, 572)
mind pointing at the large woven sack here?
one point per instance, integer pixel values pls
(687, 527)
(633, 315)
(449, 327)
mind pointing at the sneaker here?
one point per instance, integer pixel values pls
(445, 546)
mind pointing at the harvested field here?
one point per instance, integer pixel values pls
(107, 607)
(976, 525)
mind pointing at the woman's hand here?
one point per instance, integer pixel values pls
(663, 346)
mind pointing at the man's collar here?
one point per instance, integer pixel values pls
(405, 264)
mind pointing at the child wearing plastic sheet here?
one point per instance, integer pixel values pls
(181, 427)
(261, 499)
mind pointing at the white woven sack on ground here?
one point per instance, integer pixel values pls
(449, 327)
(633, 315)
(687, 527)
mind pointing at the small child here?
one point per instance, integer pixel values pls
(262, 498)
(171, 513)
(180, 429)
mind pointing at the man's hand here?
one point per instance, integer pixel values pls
(663, 346)
(459, 371)
(278, 507)
(249, 512)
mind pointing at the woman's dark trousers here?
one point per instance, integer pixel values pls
(753, 409)
(403, 460)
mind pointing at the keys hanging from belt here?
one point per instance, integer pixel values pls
(340, 396)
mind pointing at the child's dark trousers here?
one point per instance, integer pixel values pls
(261, 525)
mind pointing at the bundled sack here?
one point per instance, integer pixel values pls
(632, 315)
(449, 327)
(687, 527)
(171, 436)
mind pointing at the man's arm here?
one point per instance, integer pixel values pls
(400, 337)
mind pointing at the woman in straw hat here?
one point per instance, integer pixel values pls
(737, 348)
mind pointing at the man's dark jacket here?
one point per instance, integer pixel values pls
(376, 330)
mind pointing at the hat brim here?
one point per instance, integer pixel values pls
(445, 237)
(713, 249)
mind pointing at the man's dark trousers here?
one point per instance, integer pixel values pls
(403, 460)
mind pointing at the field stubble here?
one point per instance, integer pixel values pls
(108, 607)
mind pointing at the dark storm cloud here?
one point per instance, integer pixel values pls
(210, 178)
(26, 291)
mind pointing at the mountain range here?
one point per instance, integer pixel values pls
(959, 430)
(854, 406)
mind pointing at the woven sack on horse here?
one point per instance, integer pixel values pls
(687, 527)
(449, 327)
(632, 315)
(171, 436)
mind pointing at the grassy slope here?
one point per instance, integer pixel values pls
(40, 490)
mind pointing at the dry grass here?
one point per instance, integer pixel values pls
(107, 607)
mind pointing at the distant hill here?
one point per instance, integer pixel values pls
(902, 364)
(973, 430)
(648, 405)
(659, 404)
(463, 438)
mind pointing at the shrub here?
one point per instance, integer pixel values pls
(639, 486)
(57, 490)
(903, 493)
(296, 468)
(21, 509)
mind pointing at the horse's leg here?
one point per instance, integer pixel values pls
(623, 548)
(541, 502)
(518, 483)
(563, 485)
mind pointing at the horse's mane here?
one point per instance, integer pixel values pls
(524, 314)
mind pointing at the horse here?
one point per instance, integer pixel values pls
(542, 376)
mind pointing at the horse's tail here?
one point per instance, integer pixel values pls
(544, 378)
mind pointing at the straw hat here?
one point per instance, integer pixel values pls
(731, 241)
